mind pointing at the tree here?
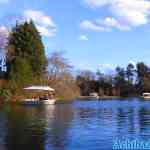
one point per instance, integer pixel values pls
(86, 82)
(120, 82)
(21, 72)
(105, 83)
(120, 77)
(143, 77)
(57, 66)
(60, 76)
(130, 72)
(25, 55)
(130, 75)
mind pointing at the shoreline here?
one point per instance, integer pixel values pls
(100, 97)
(104, 97)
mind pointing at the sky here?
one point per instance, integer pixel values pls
(94, 34)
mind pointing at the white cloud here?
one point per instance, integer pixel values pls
(83, 38)
(39, 17)
(130, 13)
(105, 24)
(44, 23)
(111, 22)
(90, 25)
(46, 32)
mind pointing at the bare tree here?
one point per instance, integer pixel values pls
(60, 76)
(57, 66)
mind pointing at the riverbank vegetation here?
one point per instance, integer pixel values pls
(27, 65)
(130, 81)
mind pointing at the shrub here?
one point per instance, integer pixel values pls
(5, 94)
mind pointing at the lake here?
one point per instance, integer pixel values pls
(81, 125)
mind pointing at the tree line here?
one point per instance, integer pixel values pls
(130, 81)
(27, 65)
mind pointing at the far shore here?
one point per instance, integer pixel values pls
(104, 97)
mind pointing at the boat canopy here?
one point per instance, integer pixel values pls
(41, 88)
(145, 94)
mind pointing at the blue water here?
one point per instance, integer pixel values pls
(82, 125)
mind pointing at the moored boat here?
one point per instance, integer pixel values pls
(48, 102)
(39, 95)
(146, 96)
(94, 95)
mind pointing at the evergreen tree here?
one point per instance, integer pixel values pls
(130, 73)
(26, 56)
(143, 78)
(120, 81)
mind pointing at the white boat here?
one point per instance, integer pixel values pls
(47, 99)
(38, 102)
(146, 96)
(94, 95)
(48, 102)
(30, 101)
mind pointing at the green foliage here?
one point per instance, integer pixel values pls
(130, 72)
(21, 72)
(26, 59)
(5, 94)
(143, 78)
(126, 82)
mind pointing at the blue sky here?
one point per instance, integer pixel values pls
(93, 33)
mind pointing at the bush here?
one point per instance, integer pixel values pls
(5, 94)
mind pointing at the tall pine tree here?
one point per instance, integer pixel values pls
(26, 58)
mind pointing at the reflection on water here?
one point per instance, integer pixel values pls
(82, 125)
(36, 128)
(25, 129)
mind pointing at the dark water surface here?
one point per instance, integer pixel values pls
(82, 125)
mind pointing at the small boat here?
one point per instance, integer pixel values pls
(146, 96)
(44, 96)
(30, 101)
(48, 102)
(94, 95)
(38, 102)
